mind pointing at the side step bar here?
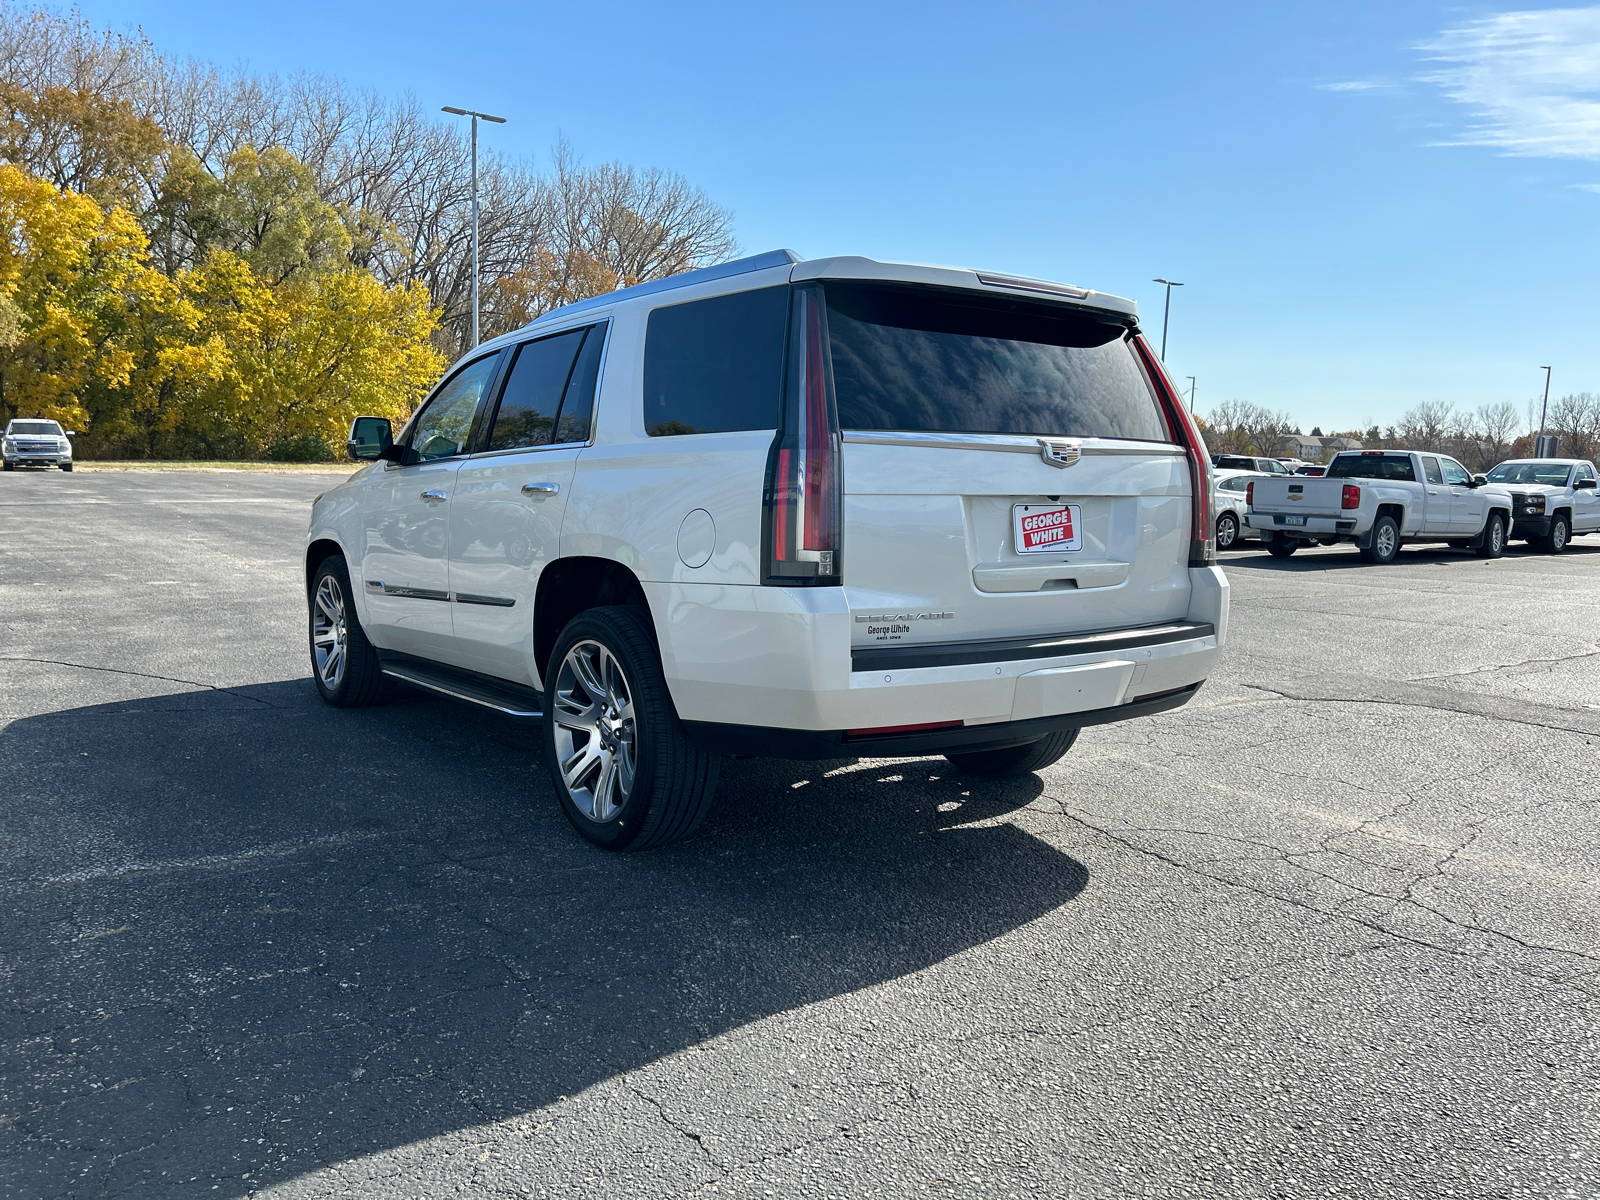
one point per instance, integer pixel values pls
(510, 699)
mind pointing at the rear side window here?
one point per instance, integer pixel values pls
(711, 366)
(1372, 466)
(532, 394)
(928, 360)
(1430, 468)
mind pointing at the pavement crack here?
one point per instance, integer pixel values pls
(210, 687)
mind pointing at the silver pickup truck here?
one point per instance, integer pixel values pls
(1379, 499)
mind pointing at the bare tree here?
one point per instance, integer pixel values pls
(1428, 425)
(1497, 425)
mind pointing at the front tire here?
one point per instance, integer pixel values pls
(1014, 760)
(65, 466)
(1493, 542)
(1227, 531)
(626, 776)
(1560, 534)
(344, 664)
(1385, 547)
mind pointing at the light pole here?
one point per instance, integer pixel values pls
(1545, 408)
(476, 116)
(1190, 378)
(1165, 313)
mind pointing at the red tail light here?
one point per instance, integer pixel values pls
(1250, 495)
(805, 478)
(1203, 536)
(1350, 497)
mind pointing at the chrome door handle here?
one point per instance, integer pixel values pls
(540, 490)
(434, 495)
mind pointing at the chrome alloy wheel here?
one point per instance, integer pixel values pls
(1387, 541)
(329, 632)
(596, 734)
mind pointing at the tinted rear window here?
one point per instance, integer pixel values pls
(925, 360)
(715, 365)
(1372, 466)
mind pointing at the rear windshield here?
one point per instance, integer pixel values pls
(1549, 474)
(1372, 466)
(926, 360)
(47, 428)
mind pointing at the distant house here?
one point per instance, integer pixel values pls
(1316, 449)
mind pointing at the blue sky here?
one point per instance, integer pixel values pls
(1369, 204)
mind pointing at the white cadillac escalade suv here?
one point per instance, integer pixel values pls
(808, 509)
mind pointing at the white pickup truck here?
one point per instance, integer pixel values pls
(1379, 499)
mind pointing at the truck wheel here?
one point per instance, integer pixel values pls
(1560, 534)
(66, 466)
(343, 663)
(1014, 760)
(1493, 544)
(1227, 531)
(10, 466)
(626, 776)
(1282, 547)
(1385, 542)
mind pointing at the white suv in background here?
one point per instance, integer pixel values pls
(808, 509)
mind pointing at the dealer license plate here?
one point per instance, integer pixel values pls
(1046, 528)
(1294, 520)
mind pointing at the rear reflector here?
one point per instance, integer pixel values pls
(880, 730)
(1350, 497)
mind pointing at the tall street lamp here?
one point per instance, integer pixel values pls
(1190, 378)
(476, 116)
(1165, 313)
(1538, 445)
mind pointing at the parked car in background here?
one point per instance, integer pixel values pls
(31, 442)
(1228, 491)
(808, 509)
(1379, 499)
(1553, 500)
(1247, 462)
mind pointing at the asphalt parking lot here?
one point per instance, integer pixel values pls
(1332, 930)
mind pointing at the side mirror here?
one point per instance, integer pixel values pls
(394, 454)
(1585, 483)
(369, 438)
(1479, 480)
(72, 433)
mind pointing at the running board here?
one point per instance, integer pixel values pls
(510, 699)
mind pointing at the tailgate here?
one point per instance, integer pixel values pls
(1314, 497)
(946, 541)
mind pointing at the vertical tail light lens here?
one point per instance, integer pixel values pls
(1203, 535)
(1350, 497)
(804, 473)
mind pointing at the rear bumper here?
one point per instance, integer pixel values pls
(782, 659)
(1316, 527)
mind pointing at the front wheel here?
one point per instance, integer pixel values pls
(1493, 543)
(66, 466)
(626, 776)
(1560, 534)
(1014, 760)
(1227, 531)
(1385, 545)
(1282, 547)
(343, 663)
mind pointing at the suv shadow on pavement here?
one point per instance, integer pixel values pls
(251, 935)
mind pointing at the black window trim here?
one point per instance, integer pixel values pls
(481, 435)
(410, 426)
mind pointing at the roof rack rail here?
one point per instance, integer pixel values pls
(739, 266)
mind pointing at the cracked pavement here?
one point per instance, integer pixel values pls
(1331, 930)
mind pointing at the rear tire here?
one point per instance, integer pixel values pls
(1282, 547)
(1014, 760)
(344, 664)
(625, 774)
(1493, 542)
(1560, 534)
(1227, 531)
(1385, 547)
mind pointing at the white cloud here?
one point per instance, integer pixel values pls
(1532, 80)
(1587, 187)
(1356, 85)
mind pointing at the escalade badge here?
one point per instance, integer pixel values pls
(1060, 453)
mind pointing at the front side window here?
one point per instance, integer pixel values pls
(445, 425)
(1372, 466)
(1454, 473)
(1430, 468)
(925, 359)
(1582, 471)
(712, 366)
